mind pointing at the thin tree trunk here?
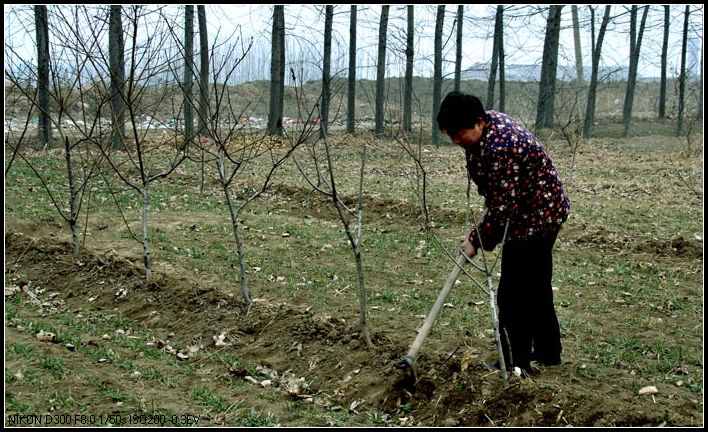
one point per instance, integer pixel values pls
(351, 79)
(203, 87)
(547, 86)
(458, 46)
(408, 91)
(592, 91)
(72, 199)
(682, 76)
(664, 51)
(635, 48)
(116, 50)
(502, 77)
(498, 30)
(700, 86)
(381, 74)
(203, 71)
(578, 49)
(243, 276)
(277, 72)
(579, 72)
(437, 75)
(147, 259)
(188, 75)
(44, 125)
(326, 63)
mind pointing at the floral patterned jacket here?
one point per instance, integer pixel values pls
(518, 182)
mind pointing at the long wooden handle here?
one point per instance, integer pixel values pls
(437, 307)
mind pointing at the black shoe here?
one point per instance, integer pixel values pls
(530, 371)
(553, 361)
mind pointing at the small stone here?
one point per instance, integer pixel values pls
(648, 390)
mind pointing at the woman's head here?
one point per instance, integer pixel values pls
(462, 117)
(459, 111)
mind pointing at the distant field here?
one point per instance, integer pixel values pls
(628, 290)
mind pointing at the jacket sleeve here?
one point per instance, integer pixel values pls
(501, 199)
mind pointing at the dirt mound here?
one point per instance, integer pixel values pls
(608, 240)
(447, 390)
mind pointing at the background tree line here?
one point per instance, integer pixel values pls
(419, 54)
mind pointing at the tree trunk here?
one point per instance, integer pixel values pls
(496, 45)
(458, 46)
(188, 75)
(578, 49)
(351, 80)
(326, 63)
(44, 125)
(408, 91)
(73, 196)
(203, 86)
(700, 86)
(635, 45)
(502, 78)
(682, 76)
(547, 86)
(147, 259)
(592, 91)
(381, 74)
(437, 75)
(116, 50)
(203, 71)
(277, 72)
(664, 51)
(579, 72)
(243, 276)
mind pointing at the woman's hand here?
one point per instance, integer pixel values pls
(468, 249)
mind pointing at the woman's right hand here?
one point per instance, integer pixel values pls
(468, 248)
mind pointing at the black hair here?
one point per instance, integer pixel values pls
(459, 111)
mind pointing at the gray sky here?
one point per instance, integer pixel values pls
(524, 34)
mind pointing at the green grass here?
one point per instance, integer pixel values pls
(254, 418)
(625, 309)
(211, 399)
(55, 365)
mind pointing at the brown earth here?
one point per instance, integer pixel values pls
(450, 389)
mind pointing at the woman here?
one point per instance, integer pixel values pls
(520, 185)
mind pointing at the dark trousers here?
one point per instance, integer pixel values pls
(525, 299)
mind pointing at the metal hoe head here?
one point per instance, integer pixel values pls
(406, 363)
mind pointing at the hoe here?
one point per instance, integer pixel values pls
(408, 361)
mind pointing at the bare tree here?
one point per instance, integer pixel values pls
(497, 49)
(323, 180)
(579, 73)
(351, 79)
(144, 161)
(578, 49)
(222, 130)
(408, 85)
(78, 123)
(277, 72)
(203, 83)
(682, 75)
(547, 86)
(116, 49)
(437, 74)
(635, 44)
(203, 69)
(664, 53)
(326, 64)
(381, 74)
(458, 47)
(596, 53)
(188, 75)
(44, 126)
